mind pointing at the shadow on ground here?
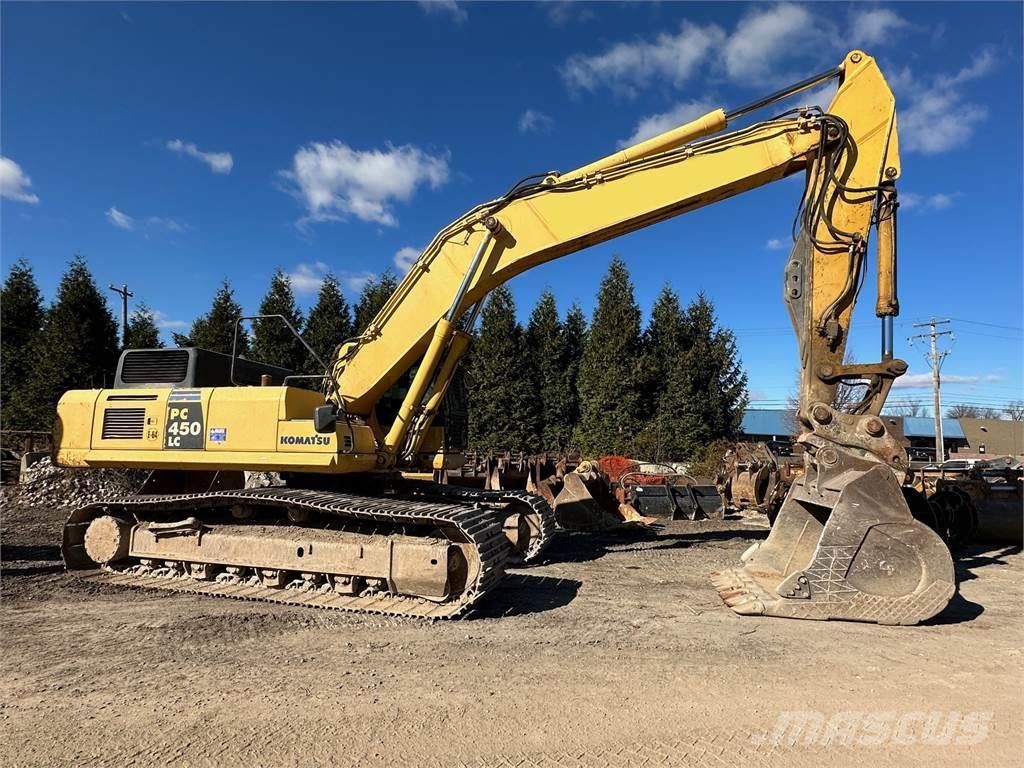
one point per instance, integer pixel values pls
(29, 560)
(970, 558)
(521, 593)
(585, 547)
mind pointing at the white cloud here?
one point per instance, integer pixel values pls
(163, 321)
(452, 8)
(765, 36)
(775, 244)
(306, 279)
(626, 67)
(149, 225)
(14, 183)
(924, 380)
(937, 118)
(937, 202)
(406, 257)
(561, 12)
(335, 181)
(354, 281)
(219, 162)
(119, 219)
(680, 114)
(165, 224)
(534, 120)
(875, 26)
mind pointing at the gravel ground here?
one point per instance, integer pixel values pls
(616, 651)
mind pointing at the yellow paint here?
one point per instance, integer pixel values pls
(639, 186)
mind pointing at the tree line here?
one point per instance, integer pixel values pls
(558, 383)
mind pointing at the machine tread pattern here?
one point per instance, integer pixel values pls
(476, 523)
(542, 511)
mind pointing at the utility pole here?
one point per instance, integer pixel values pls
(935, 358)
(124, 293)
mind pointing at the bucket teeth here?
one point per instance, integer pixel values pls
(739, 593)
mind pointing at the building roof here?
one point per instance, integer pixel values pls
(993, 432)
(999, 436)
(924, 426)
(767, 422)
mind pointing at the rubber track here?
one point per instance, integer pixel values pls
(538, 504)
(479, 525)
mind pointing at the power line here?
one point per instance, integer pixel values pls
(990, 325)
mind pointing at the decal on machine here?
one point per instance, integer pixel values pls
(304, 440)
(184, 420)
(218, 434)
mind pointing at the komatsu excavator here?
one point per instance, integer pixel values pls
(357, 516)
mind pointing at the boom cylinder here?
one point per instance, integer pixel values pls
(712, 122)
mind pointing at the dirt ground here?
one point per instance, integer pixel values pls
(616, 651)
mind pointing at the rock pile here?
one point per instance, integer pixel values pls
(44, 484)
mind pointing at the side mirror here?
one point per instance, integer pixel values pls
(325, 418)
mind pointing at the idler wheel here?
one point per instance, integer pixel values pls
(107, 540)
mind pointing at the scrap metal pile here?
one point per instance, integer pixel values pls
(979, 503)
(598, 494)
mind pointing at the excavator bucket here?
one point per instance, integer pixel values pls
(844, 546)
(576, 507)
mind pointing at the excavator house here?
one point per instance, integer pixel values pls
(358, 516)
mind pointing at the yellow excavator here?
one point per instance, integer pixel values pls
(264, 489)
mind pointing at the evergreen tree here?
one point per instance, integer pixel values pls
(545, 342)
(273, 342)
(574, 331)
(21, 320)
(77, 348)
(142, 330)
(609, 377)
(329, 323)
(215, 330)
(713, 381)
(664, 395)
(502, 403)
(373, 296)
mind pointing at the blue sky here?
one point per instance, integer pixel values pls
(175, 145)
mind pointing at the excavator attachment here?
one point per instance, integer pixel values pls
(844, 546)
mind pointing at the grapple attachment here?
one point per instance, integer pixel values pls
(844, 546)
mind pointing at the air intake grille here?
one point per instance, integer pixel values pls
(155, 366)
(124, 423)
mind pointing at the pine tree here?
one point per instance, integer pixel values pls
(502, 404)
(21, 320)
(609, 378)
(372, 298)
(142, 330)
(574, 331)
(545, 341)
(713, 381)
(273, 342)
(329, 323)
(78, 346)
(664, 398)
(215, 330)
